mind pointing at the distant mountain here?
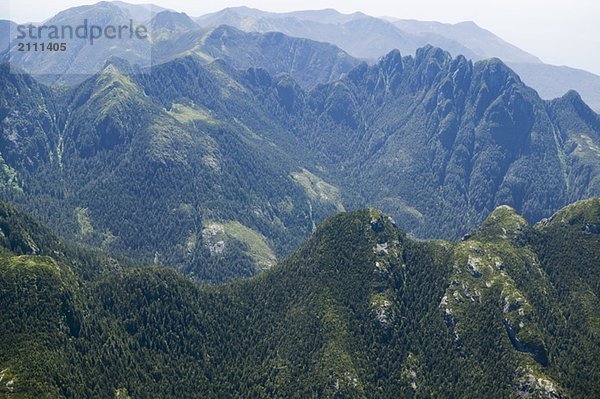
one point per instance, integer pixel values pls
(172, 35)
(360, 35)
(140, 13)
(172, 21)
(81, 59)
(307, 61)
(369, 38)
(554, 81)
(483, 43)
(197, 165)
(359, 311)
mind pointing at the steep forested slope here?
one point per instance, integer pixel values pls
(441, 136)
(359, 311)
(195, 164)
(125, 171)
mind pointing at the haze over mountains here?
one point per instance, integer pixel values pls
(360, 35)
(367, 37)
(174, 35)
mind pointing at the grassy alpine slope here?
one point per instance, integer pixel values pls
(360, 310)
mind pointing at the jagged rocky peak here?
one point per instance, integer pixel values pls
(495, 75)
(385, 76)
(461, 69)
(499, 93)
(429, 54)
(391, 62)
(429, 63)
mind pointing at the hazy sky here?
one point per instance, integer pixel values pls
(559, 32)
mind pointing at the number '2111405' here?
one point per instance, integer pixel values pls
(41, 46)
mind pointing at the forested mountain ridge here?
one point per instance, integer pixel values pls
(359, 311)
(466, 137)
(111, 138)
(173, 164)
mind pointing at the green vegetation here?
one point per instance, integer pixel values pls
(113, 169)
(83, 220)
(185, 114)
(318, 189)
(211, 174)
(437, 143)
(359, 311)
(218, 235)
(8, 176)
(584, 211)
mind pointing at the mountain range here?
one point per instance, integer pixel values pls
(173, 35)
(359, 311)
(360, 35)
(369, 38)
(234, 207)
(171, 162)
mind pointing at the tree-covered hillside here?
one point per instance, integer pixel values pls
(359, 311)
(219, 172)
(135, 168)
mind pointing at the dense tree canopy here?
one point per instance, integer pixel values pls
(359, 311)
